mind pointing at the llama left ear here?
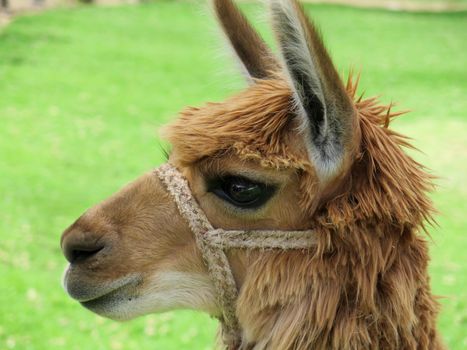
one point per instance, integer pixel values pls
(254, 54)
(325, 110)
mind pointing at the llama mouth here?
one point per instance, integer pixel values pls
(105, 303)
(116, 304)
(84, 290)
(113, 297)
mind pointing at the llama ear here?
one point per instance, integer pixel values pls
(251, 50)
(325, 110)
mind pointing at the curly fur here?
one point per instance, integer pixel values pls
(366, 284)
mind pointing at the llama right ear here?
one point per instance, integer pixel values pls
(255, 56)
(324, 109)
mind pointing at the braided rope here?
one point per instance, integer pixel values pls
(214, 242)
(259, 239)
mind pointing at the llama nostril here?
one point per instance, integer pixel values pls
(77, 250)
(81, 254)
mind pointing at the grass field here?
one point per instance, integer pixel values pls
(82, 92)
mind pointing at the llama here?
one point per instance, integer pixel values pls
(290, 212)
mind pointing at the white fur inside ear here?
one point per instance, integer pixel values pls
(302, 70)
(286, 21)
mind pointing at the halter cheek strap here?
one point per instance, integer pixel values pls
(213, 243)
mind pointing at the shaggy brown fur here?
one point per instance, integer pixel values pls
(366, 285)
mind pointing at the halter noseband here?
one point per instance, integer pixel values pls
(214, 242)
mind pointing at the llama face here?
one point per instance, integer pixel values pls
(263, 159)
(133, 254)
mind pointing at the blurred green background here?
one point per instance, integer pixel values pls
(83, 91)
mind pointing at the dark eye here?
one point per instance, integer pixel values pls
(241, 191)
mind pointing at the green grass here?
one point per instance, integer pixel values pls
(82, 92)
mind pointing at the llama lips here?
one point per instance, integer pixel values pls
(86, 290)
(107, 302)
(118, 305)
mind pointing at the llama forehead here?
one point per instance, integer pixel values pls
(254, 124)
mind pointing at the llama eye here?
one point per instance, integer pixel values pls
(241, 191)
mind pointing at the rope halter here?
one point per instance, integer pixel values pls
(214, 242)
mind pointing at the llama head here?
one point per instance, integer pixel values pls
(266, 158)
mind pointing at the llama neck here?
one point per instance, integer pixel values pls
(340, 297)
